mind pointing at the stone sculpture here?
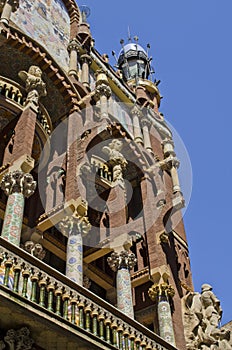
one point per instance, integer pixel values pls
(202, 315)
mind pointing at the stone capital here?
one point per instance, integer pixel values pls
(159, 290)
(18, 182)
(102, 90)
(74, 225)
(85, 58)
(136, 111)
(170, 162)
(168, 147)
(73, 45)
(35, 249)
(145, 122)
(124, 259)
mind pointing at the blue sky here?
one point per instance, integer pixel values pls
(192, 56)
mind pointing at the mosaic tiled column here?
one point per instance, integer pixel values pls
(74, 228)
(9, 7)
(122, 263)
(161, 294)
(16, 185)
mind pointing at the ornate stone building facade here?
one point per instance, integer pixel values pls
(93, 250)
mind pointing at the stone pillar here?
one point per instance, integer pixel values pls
(102, 92)
(122, 263)
(146, 135)
(74, 228)
(136, 115)
(73, 48)
(16, 185)
(161, 294)
(171, 163)
(85, 63)
(9, 7)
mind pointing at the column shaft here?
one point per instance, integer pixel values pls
(73, 62)
(175, 179)
(124, 295)
(6, 12)
(146, 138)
(165, 322)
(13, 219)
(74, 258)
(138, 137)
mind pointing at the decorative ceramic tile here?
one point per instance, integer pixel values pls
(165, 322)
(12, 225)
(124, 294)
(47, 22)
(74, 263)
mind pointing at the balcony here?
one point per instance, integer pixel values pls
(61, 314)
(13, 96)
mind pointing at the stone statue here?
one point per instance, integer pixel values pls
(113, 151)
(35, 86)
(202, 315)
(116, 158)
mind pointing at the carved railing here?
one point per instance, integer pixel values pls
(11, 90)
(38, 284)
(16, 93)
(100, 168)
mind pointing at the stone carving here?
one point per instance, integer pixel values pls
(19, 340)
(159, 290)
(125, 259)
(116, 158)
(35, 249)
(86, 282)
(13, 3)
(74, 225)
(114, 154)
(35, 86)
(202, 314)
(18, 182)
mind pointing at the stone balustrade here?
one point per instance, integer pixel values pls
(101, 169)
(16, 93)
(37, 283)
(11, 90)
